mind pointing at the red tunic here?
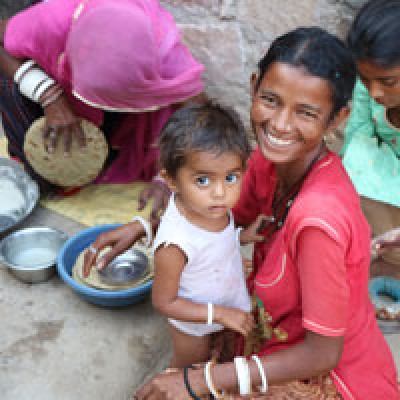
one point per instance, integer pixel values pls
(326, 289)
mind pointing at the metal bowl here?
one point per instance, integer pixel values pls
(23, 194)
(30, 254)
(129, 267)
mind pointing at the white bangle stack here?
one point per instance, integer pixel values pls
(147, 227)
(264, 382)
(32, 81)
(243, 375)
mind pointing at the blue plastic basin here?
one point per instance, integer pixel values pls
(105, 298)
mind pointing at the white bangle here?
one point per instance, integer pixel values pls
(147, 227)
(42, 88)
(264, 382)
(209, 382)
(243, 375)
(31, 81)
(210, 313)
(23, 68)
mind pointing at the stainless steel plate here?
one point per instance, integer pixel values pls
(126, 268)
(12, 175)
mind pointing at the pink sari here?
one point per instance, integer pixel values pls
(138, 65)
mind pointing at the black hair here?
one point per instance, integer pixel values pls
(375, 33)
(207, 127)
(321, 54)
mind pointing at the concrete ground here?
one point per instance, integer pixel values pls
(56, 346)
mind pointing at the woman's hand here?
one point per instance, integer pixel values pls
(165, 386)
(235, 319)
(119, 239)
(382, 243)
(251, 234)
(160, 193)
(61, 126)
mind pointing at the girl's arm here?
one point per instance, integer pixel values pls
(169, 263)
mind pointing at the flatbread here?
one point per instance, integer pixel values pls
(94, 280)
(81, 167)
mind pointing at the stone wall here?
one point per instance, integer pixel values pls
(229, 36)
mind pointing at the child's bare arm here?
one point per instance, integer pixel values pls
(169, 263)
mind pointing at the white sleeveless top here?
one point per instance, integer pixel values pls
(214, 270)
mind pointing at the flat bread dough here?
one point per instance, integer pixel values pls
(82, 166)
(94, 279)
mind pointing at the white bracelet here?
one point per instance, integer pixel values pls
(48, 83)
(243, 375)
(31, 81)
(210, 313)
(264, 382)
(22, 69)
(147, 227)
(209, 382)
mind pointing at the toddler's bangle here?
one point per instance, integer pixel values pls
(22, 70)
(147, 227)
(189, 389)
(243, 375)
(210, 313)
(264, 382)
(209, 381)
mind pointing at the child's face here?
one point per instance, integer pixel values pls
(290, 113)
(383, 84)
(208, 185)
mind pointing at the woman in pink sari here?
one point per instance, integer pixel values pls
(121, 65)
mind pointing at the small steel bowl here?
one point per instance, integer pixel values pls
(30, 254)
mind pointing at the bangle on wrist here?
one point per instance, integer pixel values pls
(264, 382)
(147, 228)
(51, 99)
(209, 381)
(22, 70)
(243, 375)
(33, 83)
(210, 313)
(189, 389)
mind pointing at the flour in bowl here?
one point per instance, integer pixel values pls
(11, 198)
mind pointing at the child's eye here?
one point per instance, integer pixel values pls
(203, 180)
(308, 114)
(231, 178)
(269, 99)
(389, 82)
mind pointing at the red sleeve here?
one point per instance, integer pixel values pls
(320, 258)
(256, 190)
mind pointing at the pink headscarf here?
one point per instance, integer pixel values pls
(123, 55)
(127, 55)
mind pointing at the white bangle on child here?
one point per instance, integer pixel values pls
(264, 382)
(147, 227)
(243, 375)
(210, 313)
(209, 381)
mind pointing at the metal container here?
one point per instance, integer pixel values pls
(30, 254)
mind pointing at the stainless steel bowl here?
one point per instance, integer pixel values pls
(129, 267)
(30, 254)
(13, 176)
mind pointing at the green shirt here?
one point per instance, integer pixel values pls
(371, 150)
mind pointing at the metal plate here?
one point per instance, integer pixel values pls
(126, 268)
(12, 175)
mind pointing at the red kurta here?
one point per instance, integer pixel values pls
(327, 294)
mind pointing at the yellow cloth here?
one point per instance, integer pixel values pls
(96, 204)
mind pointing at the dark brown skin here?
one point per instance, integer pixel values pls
(61, 123)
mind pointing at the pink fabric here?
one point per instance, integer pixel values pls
(320, 286)
(125, 55)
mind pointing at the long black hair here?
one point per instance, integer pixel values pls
(375, 33)
(321, 54)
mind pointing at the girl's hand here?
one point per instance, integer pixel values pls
(164, 386)
(160, 193)
(234, 318)
(120, 239)
(61, 126)
(251, 234)
(382, 243)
